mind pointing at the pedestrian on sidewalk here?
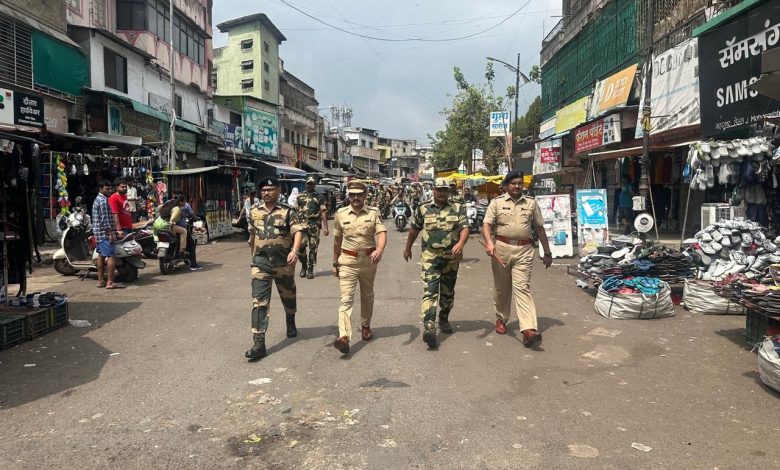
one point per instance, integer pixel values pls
(313, 216)
(103, 229)
(359, 241)
(444, 233)
(274, 240)
(627, 194)
(513, 216)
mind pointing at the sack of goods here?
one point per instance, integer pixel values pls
(769, 362)
(641, 298)
(699, 297)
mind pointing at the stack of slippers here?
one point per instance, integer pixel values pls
(732, 247)
(630, 256)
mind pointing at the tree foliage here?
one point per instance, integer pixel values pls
(466, 128)
(528, 124)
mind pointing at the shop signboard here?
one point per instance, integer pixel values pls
(499, 124)
(612, 92)
(556, 213)
(6, 106)
(115, 124)
(547, 128)
(261, 131)
(548, 157)
(185, 141)
(28, 110)
(141, 125)
(592, 220)
(572, 115)
(675, 95)
(232, 136)
(597, 134)
(730, 61)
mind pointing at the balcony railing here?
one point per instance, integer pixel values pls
(365, 152)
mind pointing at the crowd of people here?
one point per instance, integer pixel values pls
(279, 233)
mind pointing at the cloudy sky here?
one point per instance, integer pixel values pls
(400, 87)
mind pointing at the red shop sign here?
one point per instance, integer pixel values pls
(551, 154)
(589, 137)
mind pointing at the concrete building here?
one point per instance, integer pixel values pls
(298, 119)
(405, 163)
(365, 152)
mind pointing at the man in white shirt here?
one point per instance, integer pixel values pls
(132, 199)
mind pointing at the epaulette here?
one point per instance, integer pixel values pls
(343, 209)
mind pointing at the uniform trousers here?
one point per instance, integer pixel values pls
(513, 283)
(263, 274)
(354, 271)
(439, 273)
(310, 240)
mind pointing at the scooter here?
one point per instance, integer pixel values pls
(145, 238)
(77, 252)
(475, 214)
(168, 251)
(402, 212)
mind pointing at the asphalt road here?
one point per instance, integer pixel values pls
(159, 381)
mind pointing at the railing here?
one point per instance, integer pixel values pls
(556, 29)
(365, 152)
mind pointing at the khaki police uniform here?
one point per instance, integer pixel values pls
(357, 230)
(513, 222)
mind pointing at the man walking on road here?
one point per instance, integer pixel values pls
(313, 215)
(274, 240)
(103, 229)
(513, 216)
(359, 241)
(444, 233)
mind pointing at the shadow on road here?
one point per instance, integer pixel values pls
(63, 359)
(383, 332)
(303, 334)
(736, 336)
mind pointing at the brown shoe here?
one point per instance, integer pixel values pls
(367, 335)
(342, 344)
(532, 338)
(500, 327)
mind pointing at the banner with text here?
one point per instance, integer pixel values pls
(499, 124)
(729, 61)
(612, 92)
(556, 213)
(547, 158)
(572, 115)
(592, 220)
(597, 134)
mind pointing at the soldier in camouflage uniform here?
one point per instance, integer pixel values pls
(455, 197)
(312, 214)
(275, 237)
(444, 233)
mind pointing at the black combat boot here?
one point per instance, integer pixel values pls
(258, 349)
(444, 323)
(292, 332)
(310, 272)
(429, 336)
(303, 266)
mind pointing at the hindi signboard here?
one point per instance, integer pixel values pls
(499, 124)
(572, 115)
(597, 134)
(547, 158)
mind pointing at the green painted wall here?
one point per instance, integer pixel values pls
(228, 64)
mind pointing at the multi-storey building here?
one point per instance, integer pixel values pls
(365, 154)
(299, 120)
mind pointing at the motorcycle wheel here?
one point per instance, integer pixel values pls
(127, 273)
(166, 266)
(150, 254)
(63, 267)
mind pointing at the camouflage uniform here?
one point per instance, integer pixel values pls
(310, 207)
(273, 234)
(456, 198)
(440, 228)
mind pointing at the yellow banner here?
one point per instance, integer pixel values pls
(572, 115)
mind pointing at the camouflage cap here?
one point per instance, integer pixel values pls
(441, 183)
(356, 187)
(310, 180)
(269, 181)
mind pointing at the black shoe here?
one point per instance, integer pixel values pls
(258, 349)
(444, 324)
(303, 266)
(342, 344)
(292, 332)
(429, 336)
(310, 273)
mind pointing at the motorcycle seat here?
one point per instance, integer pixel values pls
(126, 238)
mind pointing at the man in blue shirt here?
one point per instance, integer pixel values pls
(188, 214)
(626, 203)
(103, 229)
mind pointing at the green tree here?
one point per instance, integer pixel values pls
(528, 124)
(466, 128)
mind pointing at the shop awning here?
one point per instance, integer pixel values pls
(165, 117)
(338, 172)
(59, 65)
(282, 169)
(204, 169)
(634, 151)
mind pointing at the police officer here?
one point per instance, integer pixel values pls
(275, 237)
(313, 215)
(455, 197)
(513, 216)
(444, 233)
(359, 241)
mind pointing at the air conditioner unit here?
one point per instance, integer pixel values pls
(715, 212)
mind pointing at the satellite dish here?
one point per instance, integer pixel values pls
(643, 223)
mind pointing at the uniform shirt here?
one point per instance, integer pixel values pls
(357, 229)
(440, 226)
(274, 231)
(102, 221)
(456, 198)
(309, 207)
(513, 219)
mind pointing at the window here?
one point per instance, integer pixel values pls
(267, 85)
(159, 19)
(287, 135)
(214, 79)
(115, 70)
(178, 105)
(235, 119)
(265, 47)
(189, 40)
(247, 65)
(131, 14)
(266, 67)
(247, 84)
(246, 45)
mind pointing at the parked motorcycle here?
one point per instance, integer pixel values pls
(168, 251)
(475, 214)
(77, 252)
(145, 237)
(401, 213)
